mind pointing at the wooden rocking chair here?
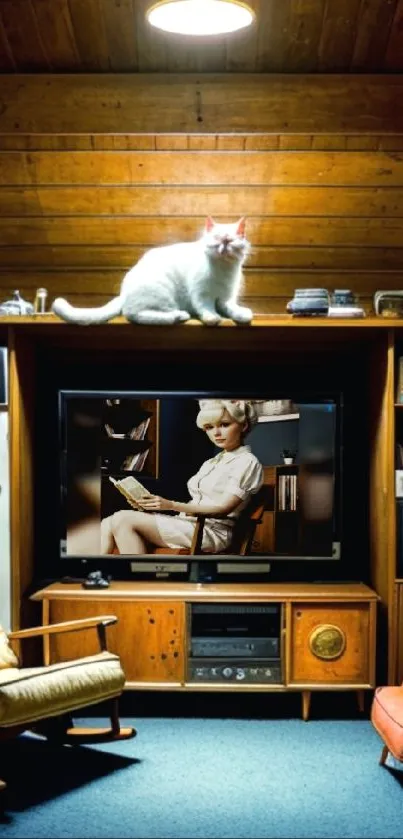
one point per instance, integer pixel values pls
(43, 699)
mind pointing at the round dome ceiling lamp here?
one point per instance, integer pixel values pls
(200, 17)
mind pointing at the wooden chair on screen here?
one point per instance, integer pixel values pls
(243, 532)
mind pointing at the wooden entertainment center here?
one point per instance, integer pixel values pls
(329, 631)
(327, 634)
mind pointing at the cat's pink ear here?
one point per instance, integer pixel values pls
(241, 227)
(209, 224)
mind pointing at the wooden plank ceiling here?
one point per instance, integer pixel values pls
(290, 36)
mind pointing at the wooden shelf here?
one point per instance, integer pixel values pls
(283, 333)
(259, 321)
(222, 592)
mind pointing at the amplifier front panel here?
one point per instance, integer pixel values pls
(248, 671)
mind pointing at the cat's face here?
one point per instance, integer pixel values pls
(226, 241)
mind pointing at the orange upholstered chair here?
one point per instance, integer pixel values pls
(387, 719)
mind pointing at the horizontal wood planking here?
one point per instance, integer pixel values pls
(257, 283)
(186, 168)
(259, 305)
(154, 103)
(100, 257)
(201, 142)
(323, 209)
(278, 230)
(194, 200)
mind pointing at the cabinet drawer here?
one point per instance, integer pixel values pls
(329, 644)
(149, 636)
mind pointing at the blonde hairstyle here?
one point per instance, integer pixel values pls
(211, 411)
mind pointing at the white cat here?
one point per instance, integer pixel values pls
(171, 284)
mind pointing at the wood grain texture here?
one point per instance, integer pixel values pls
(208, 592)
(279, 231)
(397, 669)
(22, 396)
(149, 637)
(219, 201)
(257, 283)
(352, 667)
(365, 169)
(367, 260)
(201, 142)
(288, 36)
(153, 103)
(77, 210)
(382, 530)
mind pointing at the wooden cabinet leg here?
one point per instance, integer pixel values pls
(306, 704)
(384, 754)
(361, 701)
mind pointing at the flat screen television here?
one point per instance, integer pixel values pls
(118, 446)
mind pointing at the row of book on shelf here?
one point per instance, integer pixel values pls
(287, 493)
(137, 433)
(136, 461)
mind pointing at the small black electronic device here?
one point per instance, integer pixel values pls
(95, 580)
(237, 642)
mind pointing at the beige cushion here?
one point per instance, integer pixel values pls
(34, 693)
(8, 657)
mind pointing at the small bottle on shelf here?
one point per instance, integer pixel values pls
(40, 301)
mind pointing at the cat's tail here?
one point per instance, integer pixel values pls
(87, 316)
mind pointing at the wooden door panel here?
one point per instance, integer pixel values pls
(340, 631)
(149, 637)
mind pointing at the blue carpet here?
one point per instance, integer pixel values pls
(207, 777)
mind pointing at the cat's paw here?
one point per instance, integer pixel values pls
(182, 315)
(210, 319)
(242, 315)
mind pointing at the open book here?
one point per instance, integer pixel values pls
(132, 490)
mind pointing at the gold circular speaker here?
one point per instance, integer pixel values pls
(327, 642)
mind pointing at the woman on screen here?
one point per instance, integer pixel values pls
(222, 487)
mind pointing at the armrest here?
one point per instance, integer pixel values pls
(66, 626)
(258, 513)
(100, 622)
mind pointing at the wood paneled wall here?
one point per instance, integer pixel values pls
(77, 208)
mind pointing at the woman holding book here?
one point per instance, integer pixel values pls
(220, 490)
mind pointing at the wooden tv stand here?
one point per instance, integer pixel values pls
(367, 352)
(327, 635)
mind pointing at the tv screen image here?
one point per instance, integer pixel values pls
(137, 468)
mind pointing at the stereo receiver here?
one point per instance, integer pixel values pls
(249, 672)
(237, 642)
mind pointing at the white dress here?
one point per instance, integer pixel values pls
(237, 473)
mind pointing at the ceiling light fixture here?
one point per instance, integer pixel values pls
(200, 17)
